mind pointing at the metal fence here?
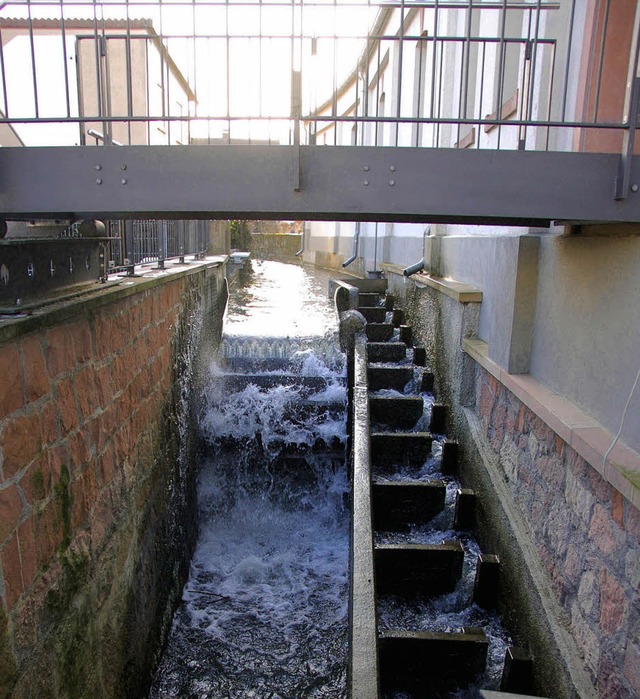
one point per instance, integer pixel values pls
(139, 242)
(527, 74)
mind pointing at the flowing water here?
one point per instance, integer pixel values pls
(264, 612)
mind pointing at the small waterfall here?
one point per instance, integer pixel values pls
(264, 612)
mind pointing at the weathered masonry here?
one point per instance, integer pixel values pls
(96, 489)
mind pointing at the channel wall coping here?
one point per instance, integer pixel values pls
(63, 306)
(463, 293)
(580, 431)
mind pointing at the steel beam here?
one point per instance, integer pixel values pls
(336, 183)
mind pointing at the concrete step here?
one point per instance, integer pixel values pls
(418, 570)
(428, 664)
(386, 351)
(379, 332)
(307, 384)
(373, 314)
(393, 448)
(399, 504)
(366, 298)
(397, 411)
(395, 377)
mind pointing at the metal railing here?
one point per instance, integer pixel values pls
(140, 242)
(516, 74)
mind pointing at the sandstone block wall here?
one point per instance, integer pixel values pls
(96, 492)
(586, 534)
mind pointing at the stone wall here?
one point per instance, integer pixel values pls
(96, 485)
(586, 534)
(268, 246)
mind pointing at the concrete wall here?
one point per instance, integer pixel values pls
(96, 485)
(586, 339)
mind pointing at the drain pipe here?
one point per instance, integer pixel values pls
(356, 239)
(420, 265)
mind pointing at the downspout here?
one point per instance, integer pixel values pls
(420, 265)
(356, 239)
(304, 233)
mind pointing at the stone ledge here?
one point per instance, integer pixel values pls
(581, 432)
(463, 293)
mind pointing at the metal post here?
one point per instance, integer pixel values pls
(181, 225)
(129, 253)
(296, 110)
(162, 243)
(630, 117)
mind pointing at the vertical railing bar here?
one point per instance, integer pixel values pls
(163, 87)
(378, 94)
(357, 105)
(534, 61)
(525, 82)
(464, 75)
(501, 60)
(399, 78)
(292, 137)
(4, 76)
(550, 95)
(440, 71)
(259, 58)
(484, 54)
(98, 51)
(195, 67)
(630, 114)
(334, 93)
(421, 50)
(107, 81)
(64, 60)
(169, 112)
(601, 60)
(228, 69)
(128, 68)
(568, 60)
(148, 96)
(433, 62)
(33, 61)
(366, 125)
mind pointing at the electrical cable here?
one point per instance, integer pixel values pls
(624, 417)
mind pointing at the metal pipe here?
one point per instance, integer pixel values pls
(356, 239)
(420, 265)
(412, 269)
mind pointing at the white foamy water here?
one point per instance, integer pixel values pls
(264, 612)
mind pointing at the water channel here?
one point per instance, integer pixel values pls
(264, 612)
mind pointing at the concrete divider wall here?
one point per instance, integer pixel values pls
(97, 489)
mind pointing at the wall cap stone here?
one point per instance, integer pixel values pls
(70, 306)
(463, 293)
(580, 431)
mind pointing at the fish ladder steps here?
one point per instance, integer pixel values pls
(391, 438)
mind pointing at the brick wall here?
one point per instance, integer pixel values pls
(91, 537)
(586, 534)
